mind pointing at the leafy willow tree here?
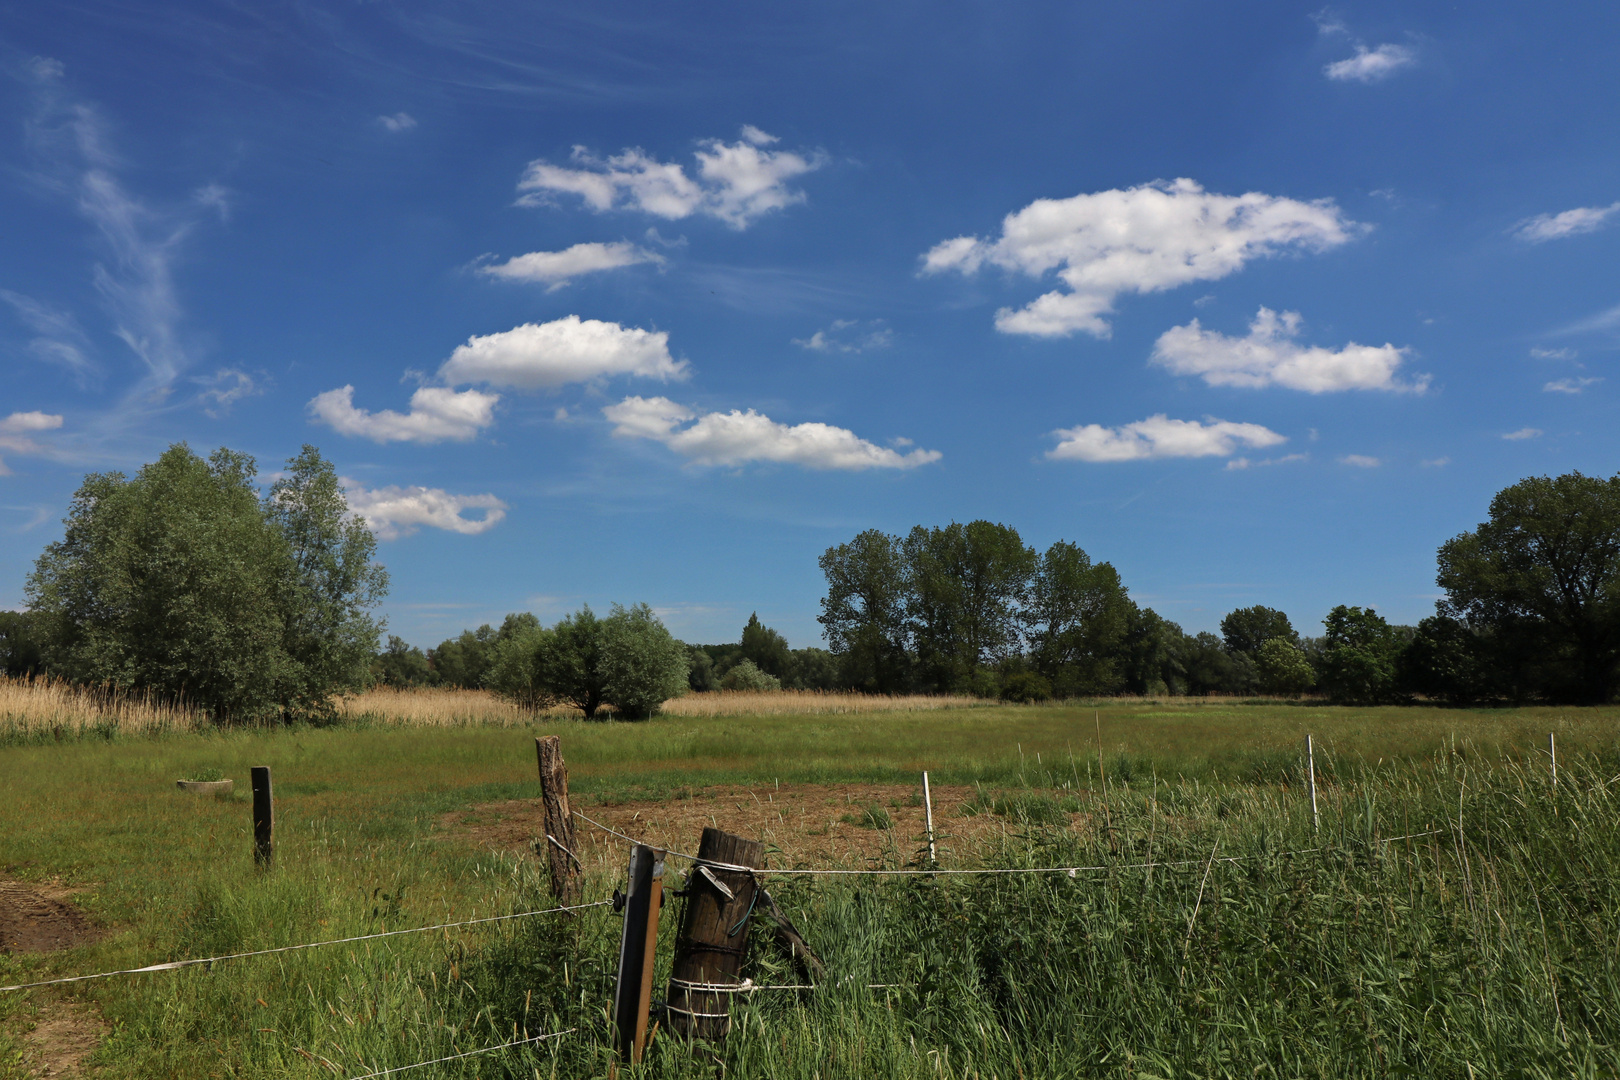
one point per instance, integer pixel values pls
(1076, 622)
(642, 663)
(627, 660)
(1283, 667)
(1540, 581)
(1360, 652)
(183, 581)
(864, 612)
(1246, 629)
(401, 664)
(969, 584)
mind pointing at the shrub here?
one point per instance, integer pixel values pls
(746, 675)
(642, 665)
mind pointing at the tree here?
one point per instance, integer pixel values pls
(1359, 654)
(642, 663)
(746, 675)
(968, 586)
(1076, 622)
(1284, 668)
(573, 662)
(1541, 579)
(19, 647)
(1447, 659)
(767, 649)
(401, 664)
(1246, 629)
(182, 581)
(519, 666)
(864, 612)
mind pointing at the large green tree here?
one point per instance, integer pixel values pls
(1541, 581)
(864, 611)
(183, 581)
(1359, 655)
(1246, 629)
(1077, 620)
(969, 584)
(627, 660)
(767, 649)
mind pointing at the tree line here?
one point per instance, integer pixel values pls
(186, 581)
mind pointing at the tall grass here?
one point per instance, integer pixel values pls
(33, 709)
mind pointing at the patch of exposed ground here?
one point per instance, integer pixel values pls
(809, 825)
(59, 1039)
(41, 917)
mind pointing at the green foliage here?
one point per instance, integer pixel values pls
(183, 582)
(700, 675)
(814, 669)
(573, 662)
(864, 612)
(1540, 581)
(1283, 667)
(1446, 659)
(401, 664)
(767, 649)
(1025, 687)
(642, 664)
(462, 661)
(19, 645)
(1247, 629)
(1359, 656)
(968, 585)
(1077, 621)
(517, 667)
(746, 675)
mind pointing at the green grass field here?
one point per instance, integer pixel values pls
(1485, 950)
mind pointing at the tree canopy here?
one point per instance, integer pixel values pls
(184, 581)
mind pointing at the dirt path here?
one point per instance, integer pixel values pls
(811, 825)
(41, 918)
(56, 1035)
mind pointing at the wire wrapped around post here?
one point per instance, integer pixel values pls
(712, 944)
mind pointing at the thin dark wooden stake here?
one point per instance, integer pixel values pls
(561, 855)
(713, 939)
(264, 845)
(638, 948)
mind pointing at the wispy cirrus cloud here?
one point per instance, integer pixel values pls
(741, 438)
(398, 122)
(59, 339)
(557, 268)
(1135, 240)
(849, 336)
(394, 512)
(1524, 433)
(1575, 385)
(1271, 355)
(1582, 219)
(1160, 437)
(1372, 65)
(737, 183)
(18, 429)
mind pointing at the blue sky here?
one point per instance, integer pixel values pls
(612, 302)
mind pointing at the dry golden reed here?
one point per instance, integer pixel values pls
(31, 707)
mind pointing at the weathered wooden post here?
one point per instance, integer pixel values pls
(560, 856)
(713, 938)
(264, 846)
(638, 948)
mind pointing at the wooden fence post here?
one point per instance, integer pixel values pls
(713, 938)
(264, 846)
(638, 948)
(560, 850)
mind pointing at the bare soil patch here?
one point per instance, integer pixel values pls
(41, 918)
(57, 1044)
(808, 825)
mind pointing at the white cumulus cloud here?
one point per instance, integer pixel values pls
(1540, 353)
(437, 413)
(1271, 355)
(567, 350)
(1582, 219)
(393, 512)
(16, 429)
(1143, 239)
(737, 438)
(1371, 65)
(555, 268)
(1160, 437)
(1571, 386)
(1524, 433)
(1240, 463)
(738, 183)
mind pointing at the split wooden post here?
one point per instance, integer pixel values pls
(638, 948)
(1310, 772)
(713, 938)
(264, 846)
(928, 809)
(560, 849)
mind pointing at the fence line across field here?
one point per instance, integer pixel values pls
(468, 1054)
(923, 872)
(175, 965)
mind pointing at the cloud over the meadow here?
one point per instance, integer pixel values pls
(737, 183)
(393, 512)
(545, 356)
(1371, 65)
(1160, 437)
(1582, 219)
(556, 268)
(437, 414)
(1135, 240)
(16, 429)
(1271, 355)
(738, 438)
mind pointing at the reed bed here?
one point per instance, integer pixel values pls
(813, 703)
(33, 709)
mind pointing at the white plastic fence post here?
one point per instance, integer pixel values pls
(1310, 772)
(928, 809)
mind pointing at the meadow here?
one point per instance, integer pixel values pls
(1482, 943)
